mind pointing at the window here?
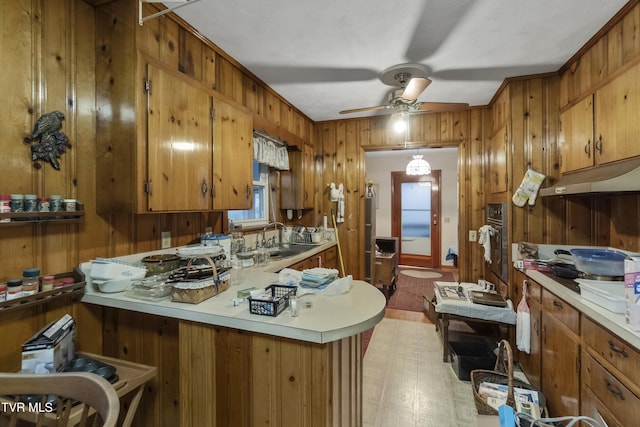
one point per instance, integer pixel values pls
(259, 215)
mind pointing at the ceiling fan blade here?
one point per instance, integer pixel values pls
(438, 107)
(358, 110)
(415, 87)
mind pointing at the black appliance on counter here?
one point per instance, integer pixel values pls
(497, 218)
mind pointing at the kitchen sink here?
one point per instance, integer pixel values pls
(285, 250)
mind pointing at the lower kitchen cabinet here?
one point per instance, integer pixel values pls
(560, 355)
(610, 376)
(326, 259)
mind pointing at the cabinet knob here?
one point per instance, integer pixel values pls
(599, 144)
(615, 349)
(204, 188)
(247, 192)
(587, 148)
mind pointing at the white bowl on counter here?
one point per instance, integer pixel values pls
(112, 286)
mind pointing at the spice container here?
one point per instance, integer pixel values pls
(43, 204)
(17, 203)
(55, 203)
(5, 206)
(3, 291)
(69, 205)
(30, 203)
(47, 283)
(30, 281)
(64, 282)
(14, 289)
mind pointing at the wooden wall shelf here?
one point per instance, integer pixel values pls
(47, 296)
(24, 218)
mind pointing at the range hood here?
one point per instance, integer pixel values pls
(611, 178)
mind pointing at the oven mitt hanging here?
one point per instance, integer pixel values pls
(528, 189)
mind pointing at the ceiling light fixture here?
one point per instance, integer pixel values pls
(417, 166)
(400, 125)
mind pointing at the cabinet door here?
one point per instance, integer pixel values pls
(617, 125)
(179, 141)
(296, 184)
(576, 136)
(560, 367)
(498, 161)
(232, 157)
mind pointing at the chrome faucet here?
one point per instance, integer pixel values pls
(276, 223)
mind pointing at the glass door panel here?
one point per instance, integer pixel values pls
(416, 218)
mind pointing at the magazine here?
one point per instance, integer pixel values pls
(527, 401)
(451, 291)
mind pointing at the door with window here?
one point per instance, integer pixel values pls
(415, 217)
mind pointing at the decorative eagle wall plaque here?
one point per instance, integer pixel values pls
(47, 141)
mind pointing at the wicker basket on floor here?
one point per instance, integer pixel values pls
(502, 374)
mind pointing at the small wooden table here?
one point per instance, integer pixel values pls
(131, 379)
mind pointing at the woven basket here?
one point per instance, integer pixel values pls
(195, 296)
(502, 374)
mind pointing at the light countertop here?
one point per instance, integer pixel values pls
(614, 322)
(329, 318)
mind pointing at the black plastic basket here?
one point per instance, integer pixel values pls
(275, 306)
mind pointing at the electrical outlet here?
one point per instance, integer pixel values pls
(166, 239)
(473, 235)
(208, 230)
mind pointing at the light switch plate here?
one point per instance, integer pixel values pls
(166, 239)
(473, 235)
(208, 230)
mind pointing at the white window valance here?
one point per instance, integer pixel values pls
(270, 151)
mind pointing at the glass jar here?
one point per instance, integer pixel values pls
(55, 203)
(5, 206)
(17, 203)
(43, 204)
(30, 281)
(30, 203)
(14, 289)
(69, 205)
(47, 283)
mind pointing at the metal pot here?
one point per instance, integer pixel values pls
(561, 267)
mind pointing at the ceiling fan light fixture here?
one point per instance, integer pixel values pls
(418, 166)
(400, 124)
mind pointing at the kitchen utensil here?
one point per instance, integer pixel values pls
(599, 262)
(564, 270)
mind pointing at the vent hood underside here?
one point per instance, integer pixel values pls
(611, 178)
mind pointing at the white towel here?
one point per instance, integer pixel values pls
(523, 322)
(484, 238)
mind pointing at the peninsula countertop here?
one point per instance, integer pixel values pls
(329, 318)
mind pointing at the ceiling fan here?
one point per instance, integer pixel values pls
(409, 81)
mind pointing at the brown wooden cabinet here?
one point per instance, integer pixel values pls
(178, 143)
(232, 157)
(159, 145)
(576, 136)
(610, 376)
(326, 259)
(560, 361)
(602, 127)
(296, 184)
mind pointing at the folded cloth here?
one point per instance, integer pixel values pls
(318, 279)
(320, 272)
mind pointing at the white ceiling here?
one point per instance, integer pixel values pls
(326, 56)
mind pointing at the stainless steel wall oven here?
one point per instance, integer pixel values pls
(497, 218)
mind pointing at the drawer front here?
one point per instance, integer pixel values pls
(618, 399)
(534, 291)
(611, 349)
(565, 313)
(591, 406)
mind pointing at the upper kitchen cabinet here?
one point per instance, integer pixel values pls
(179, 145)
(603, 127)
(576, 136)
(498, 178)
(616, 110)
(232, 157)
(296, 184)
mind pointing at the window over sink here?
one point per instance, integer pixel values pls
(259, 215)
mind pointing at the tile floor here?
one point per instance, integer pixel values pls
(407, 384)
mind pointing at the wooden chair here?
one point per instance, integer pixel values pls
(89, 393)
